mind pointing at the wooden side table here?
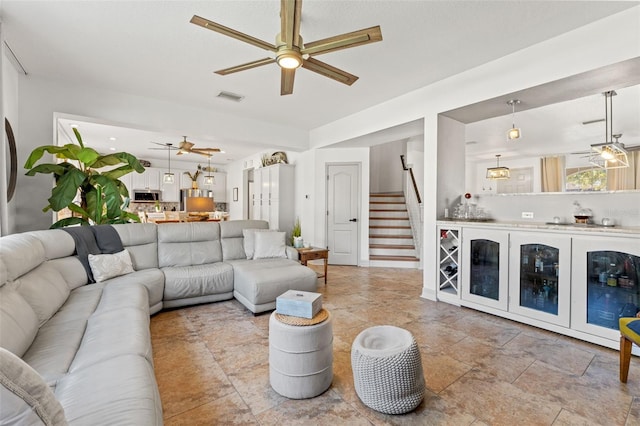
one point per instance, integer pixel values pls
(307, 254)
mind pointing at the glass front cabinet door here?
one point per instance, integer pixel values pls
(539, 277)
(485, 268)
(605, 283)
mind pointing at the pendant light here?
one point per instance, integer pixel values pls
(208, 179)
(610, 154)
(168, 176)
(498, 173)
(514, 132)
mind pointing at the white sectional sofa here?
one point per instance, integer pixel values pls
(76, 352)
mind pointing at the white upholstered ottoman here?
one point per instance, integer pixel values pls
(387, 369)
(300, 357)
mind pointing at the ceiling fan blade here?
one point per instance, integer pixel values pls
(210, 25)
(207, 149)
(287, 77)
(200, 152)
(246, 66)
(290, 11)
(184, 145)
(343, 41)
(329, 71)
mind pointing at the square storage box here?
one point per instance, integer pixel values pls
(304, 304)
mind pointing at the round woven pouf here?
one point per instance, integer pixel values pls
(387, 369)
(300, 356)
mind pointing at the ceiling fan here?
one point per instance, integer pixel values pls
(186, 147)
(289, 49)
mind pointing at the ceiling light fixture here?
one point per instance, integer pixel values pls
(208, 179)
(514, 132)
(168, 177)
(610, 154)
(498, 173)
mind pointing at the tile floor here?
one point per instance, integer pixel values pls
(211, 363)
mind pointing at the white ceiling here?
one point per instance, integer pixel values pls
(149, 48)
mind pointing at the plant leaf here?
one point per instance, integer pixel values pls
(78, 137)
(77, 209)
(117, 158)
(47, 168)
(88, 156)
(65, 151)
(118, 172)
(112, 196)
(68, 221)
(66, 189)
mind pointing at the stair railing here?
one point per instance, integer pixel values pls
(414, 207)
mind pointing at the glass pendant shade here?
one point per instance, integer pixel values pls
(609, 155)
(168, 178)
(514, 133)
(208, 180)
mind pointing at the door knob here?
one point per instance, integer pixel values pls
(353, 220)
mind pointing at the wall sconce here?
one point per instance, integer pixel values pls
(497, 173)
(514, 132)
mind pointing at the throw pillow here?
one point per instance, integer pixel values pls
(269, 245)
(105, 266)
(249, 240)
(26, 397)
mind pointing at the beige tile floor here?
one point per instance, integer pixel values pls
(211, 363)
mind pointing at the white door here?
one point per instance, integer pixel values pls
(343, 193)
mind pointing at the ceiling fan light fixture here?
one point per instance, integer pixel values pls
(289, 60)
(498, 173)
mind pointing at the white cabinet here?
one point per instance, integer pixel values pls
(150, 179)
(273, 196)
(540, 276)
(605, 274)
(448, 263)
(218, 186)
(486, 264)
(171, 191)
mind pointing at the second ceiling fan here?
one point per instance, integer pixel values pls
(290, 52)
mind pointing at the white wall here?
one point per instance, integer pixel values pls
(415, 160)
(386, 167)
(610, 40)
(41, 98)
(451, 171)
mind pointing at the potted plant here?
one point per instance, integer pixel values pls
(296, 235)
(194, 178)
(101, 193)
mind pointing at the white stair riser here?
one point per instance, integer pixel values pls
(391, 241)
(391, 252)
(387, 222)
(387, 199)
(388, 213)
(393, 264)
(400, 207)
(390, 231)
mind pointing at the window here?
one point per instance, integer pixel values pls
(586, 179)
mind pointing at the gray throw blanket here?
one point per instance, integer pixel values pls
(99, 239)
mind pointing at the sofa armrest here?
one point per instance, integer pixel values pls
(292, 253)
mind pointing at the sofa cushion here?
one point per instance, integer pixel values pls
(197, 280)
(269, 245)
(71, 270)
(20, 253)
(117, 391)
(56, 243)
(45, 289)
(249, 243)
(231, 233)
(141, 240)
(152, 279)
(18, 321)
(105, 266)
(190, 243)
(26, 398)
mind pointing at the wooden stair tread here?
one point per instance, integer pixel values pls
(392, 246)
(387, 202)
(388, 210)
(386, 194)
(389, 227)
(394, 258)
(390, 236)
(388, 218)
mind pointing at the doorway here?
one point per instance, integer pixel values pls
(343, 207)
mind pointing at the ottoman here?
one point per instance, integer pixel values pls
(387, 369)
(300, 356)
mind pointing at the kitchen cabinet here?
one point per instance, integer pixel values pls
(605, 273)
(485, 272)
(449, 262)
(218, 186)
(539, 276)
(150, 179)
(272, 199)
(171, 191)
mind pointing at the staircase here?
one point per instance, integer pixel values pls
(390, 237)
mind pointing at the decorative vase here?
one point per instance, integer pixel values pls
(298, 242)
(194, 184)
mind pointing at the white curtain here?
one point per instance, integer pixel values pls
(625, 178)
(552, 172)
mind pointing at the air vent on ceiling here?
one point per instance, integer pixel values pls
(230, 96)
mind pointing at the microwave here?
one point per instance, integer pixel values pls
(142, 195)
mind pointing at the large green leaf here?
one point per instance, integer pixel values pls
(111, 191)
(77, 209)
(68, 221)
(66, 151)
(118, 172)
(66, 189)
(88, 156)
(118, 158)
(78, 137)
(46, 168)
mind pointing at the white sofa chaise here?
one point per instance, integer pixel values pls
(83, 349)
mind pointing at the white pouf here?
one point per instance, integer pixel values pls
(387, 369)
(300, 358)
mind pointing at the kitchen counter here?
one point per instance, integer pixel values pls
(570, 228)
